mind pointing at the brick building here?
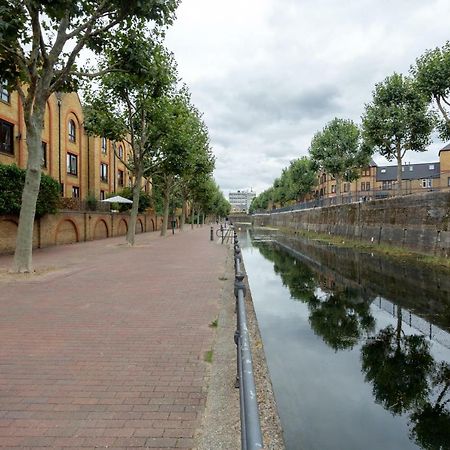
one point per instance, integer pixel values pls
(81, 164)
(381, 181)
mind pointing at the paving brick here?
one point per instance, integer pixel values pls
(107, 350)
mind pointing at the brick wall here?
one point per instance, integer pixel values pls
(419, 222)
(73, 226)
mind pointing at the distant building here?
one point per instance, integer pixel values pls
(240, 200)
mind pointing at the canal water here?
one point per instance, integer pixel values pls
(358, 346)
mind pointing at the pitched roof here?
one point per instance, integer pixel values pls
(409, 171)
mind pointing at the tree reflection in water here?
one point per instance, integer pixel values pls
(404, 375)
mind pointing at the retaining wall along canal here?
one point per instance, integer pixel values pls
(419, 222)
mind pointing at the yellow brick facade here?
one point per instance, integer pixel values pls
(74, 159)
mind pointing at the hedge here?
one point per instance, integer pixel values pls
(12, 181)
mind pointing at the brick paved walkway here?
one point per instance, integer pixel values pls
(107, 348)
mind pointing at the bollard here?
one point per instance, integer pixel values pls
(212, 233)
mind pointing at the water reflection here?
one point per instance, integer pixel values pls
(340, 289)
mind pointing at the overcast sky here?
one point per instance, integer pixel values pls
(268, 74)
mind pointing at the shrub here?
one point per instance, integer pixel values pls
(91, 201)
(144, 200)
(12, 181)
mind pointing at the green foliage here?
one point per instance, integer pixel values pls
(12, 181)
(295, 182)
(91, 201)
(338, 150)
(144, 200)
(432, 75)
(397, 119)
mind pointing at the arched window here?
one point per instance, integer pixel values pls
(72, 131)
(120, 151)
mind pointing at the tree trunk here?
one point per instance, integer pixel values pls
(203, 219)
(24, 242)
(192, 218)
(183, 215)
(131, 233)
(338, 189)
(399, 170)
(165, 211)
(198, 219)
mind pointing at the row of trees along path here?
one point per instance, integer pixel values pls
(137, 98)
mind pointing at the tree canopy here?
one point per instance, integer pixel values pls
(432, 75)
(397, 120)
(40, 43)
(338, 150)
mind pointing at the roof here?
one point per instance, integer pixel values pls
(373, 163)
(409, 171)
(445, 149)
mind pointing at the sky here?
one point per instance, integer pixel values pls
(268, 74)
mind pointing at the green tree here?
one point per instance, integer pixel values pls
(130, 106)
(39, 45)
(432, 74)
(303, 178)
(338, 151)
(198, 169)
(397, 120)
(184, 138)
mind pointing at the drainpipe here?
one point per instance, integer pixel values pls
(59, 96)
(114, 167)
(88, 166)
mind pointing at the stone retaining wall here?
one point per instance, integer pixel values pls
(419, 222)
(74, 226)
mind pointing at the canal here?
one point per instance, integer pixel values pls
(358, 346)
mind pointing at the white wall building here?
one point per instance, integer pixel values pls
(240, 200)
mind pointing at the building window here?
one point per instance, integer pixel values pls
(104, 145)
(75, 192)
(120, 177)
(104, 172)
(120, 152)
(346, 187)
(365, 186)
(102, 195)
(44, 154)
(366, 172)
(448, 181)
(411, 168)
(72, 164)
(333, 188)
(431, 166)
(5, 96)
(72, 131)
(387, 185)
(426, 183)
(6, 137)
(383, 170)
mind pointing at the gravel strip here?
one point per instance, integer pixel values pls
(221, 423)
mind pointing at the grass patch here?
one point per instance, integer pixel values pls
(208, 356)
(223, 278)
(402, 253)
(214, 323)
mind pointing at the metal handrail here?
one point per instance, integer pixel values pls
(251, 436)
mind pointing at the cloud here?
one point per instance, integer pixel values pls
(268, 74)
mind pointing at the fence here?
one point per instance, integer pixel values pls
(251, 436)
(350, 197)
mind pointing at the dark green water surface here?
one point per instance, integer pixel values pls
(358, 346)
